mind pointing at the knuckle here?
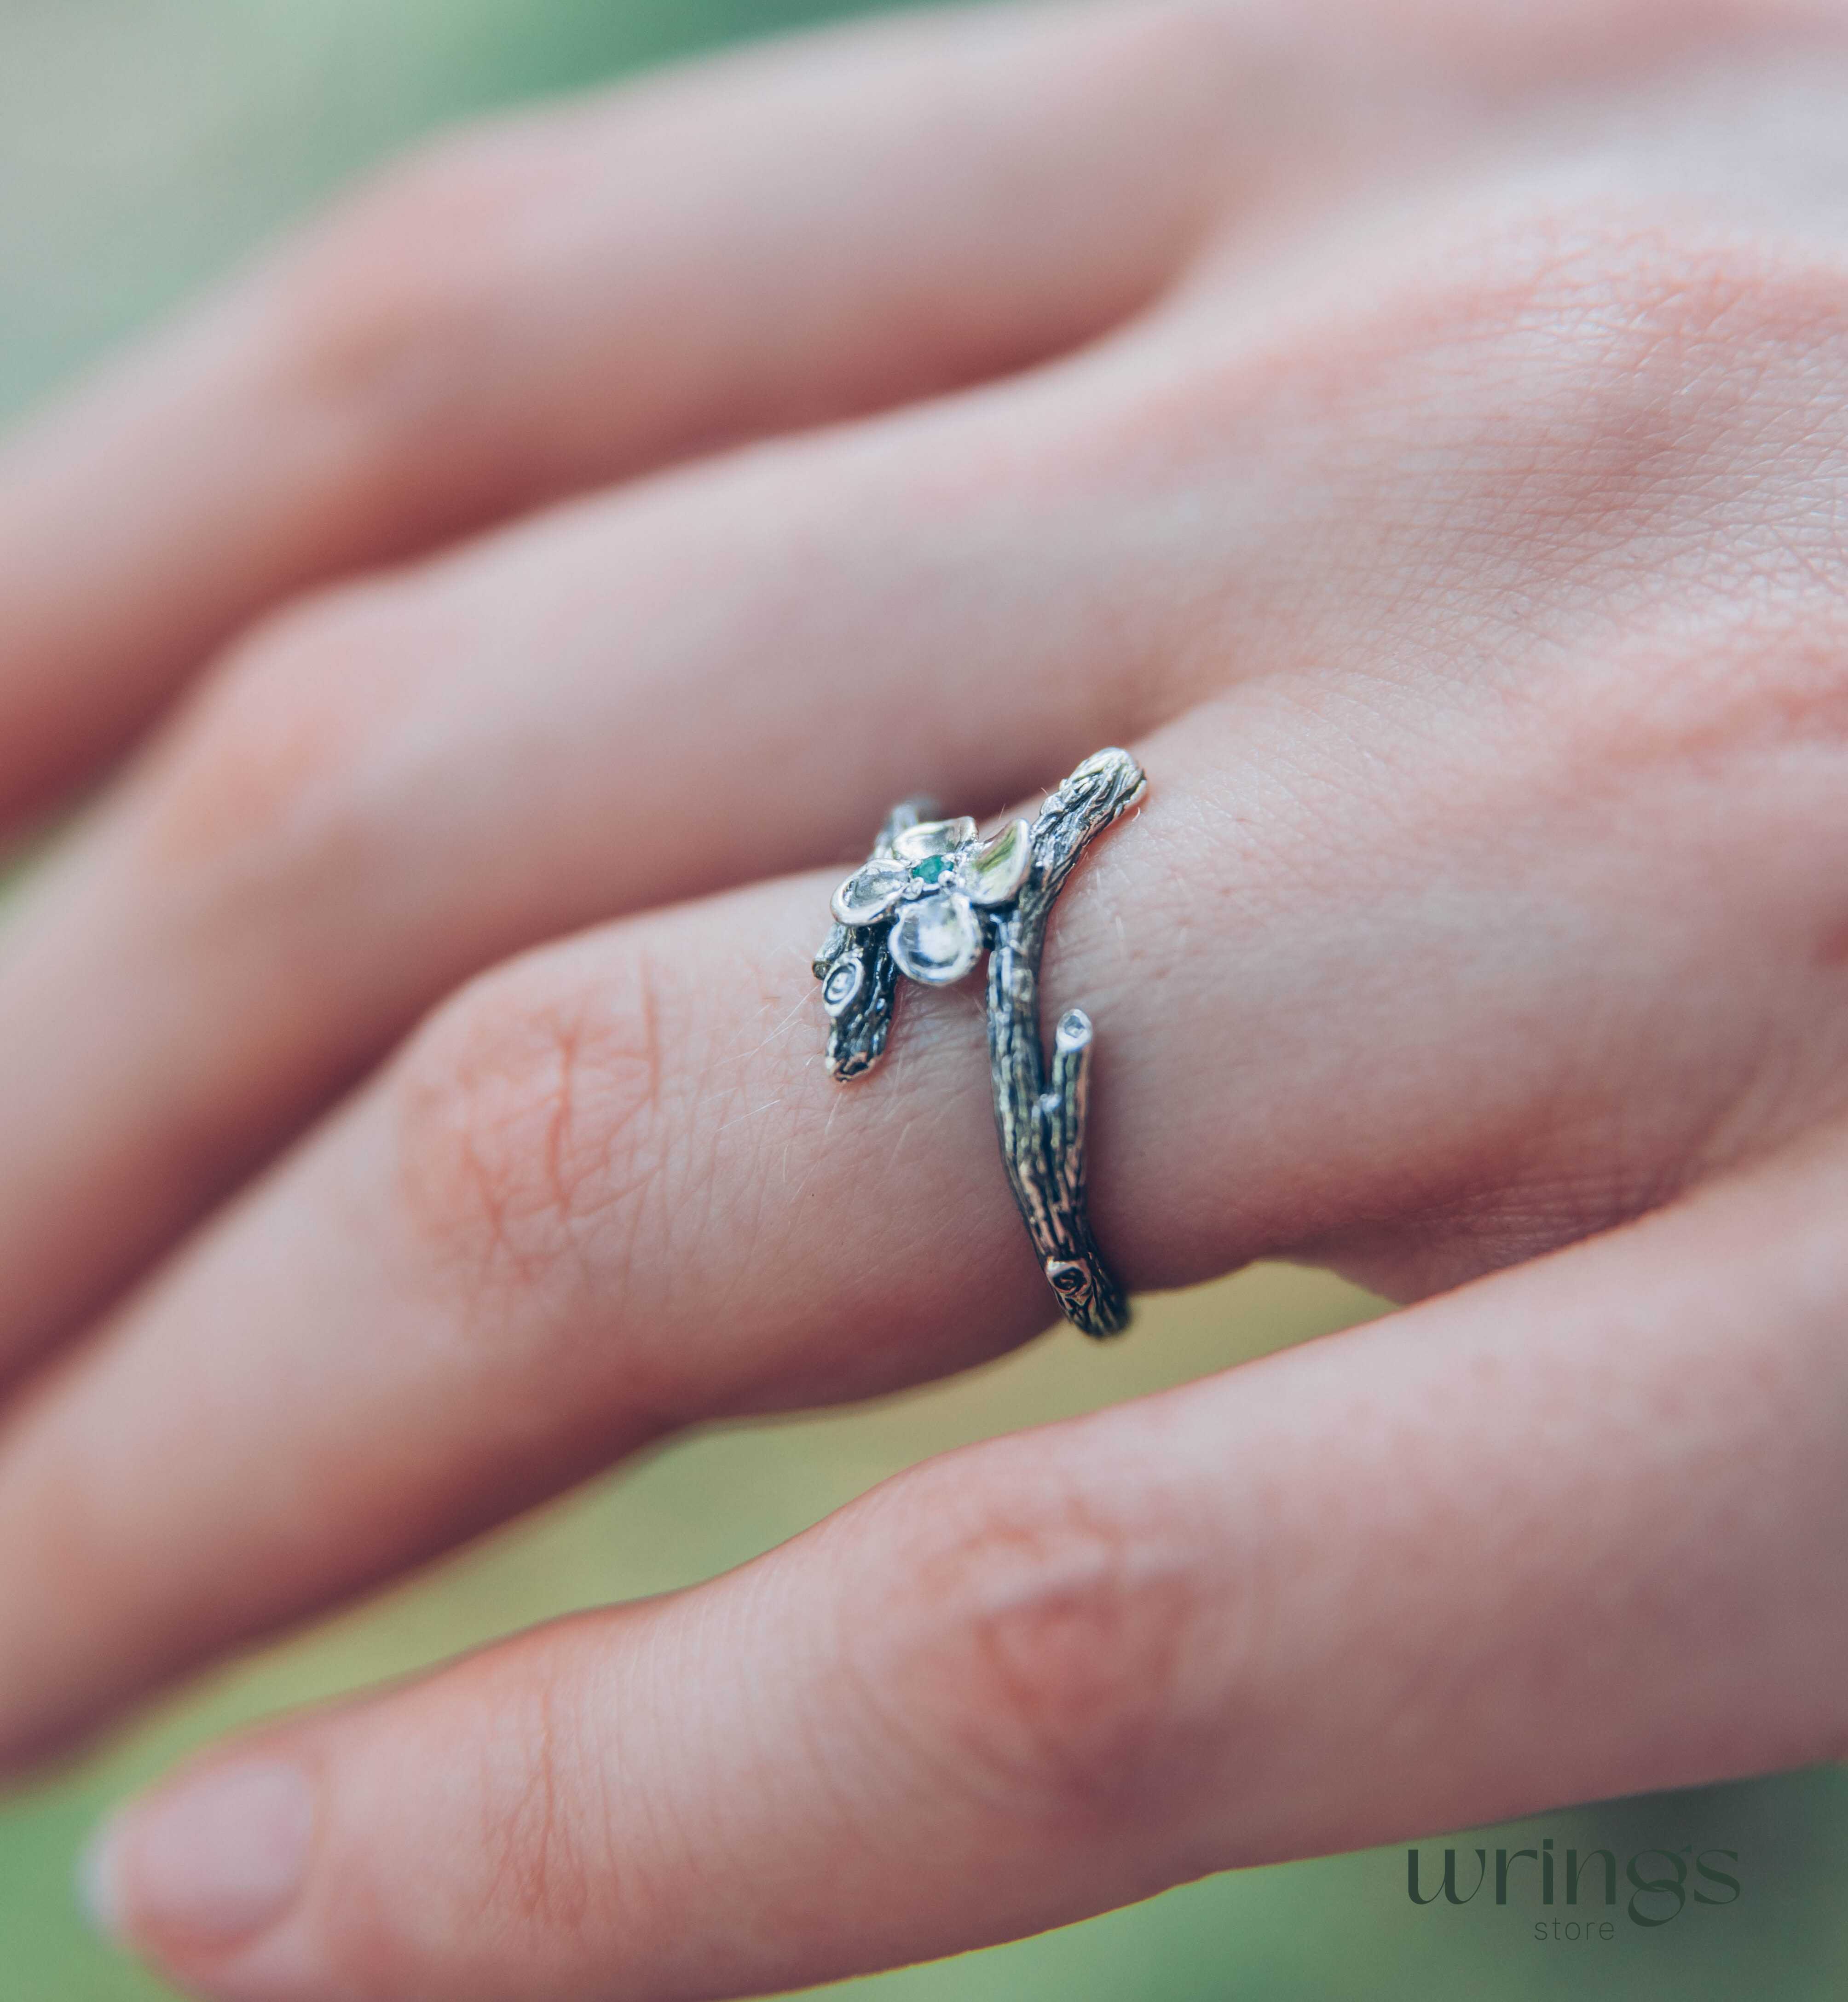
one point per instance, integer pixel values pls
(276, 778)
(1062, 1658)
(1615, 408)
(1632, 316)
(528, 1130)
(545, 1827)
(1682, 458)
(1632, 290)
(1550, 325)
(397, 311)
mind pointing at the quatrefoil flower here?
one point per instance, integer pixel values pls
(934, 888)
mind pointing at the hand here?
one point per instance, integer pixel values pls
(1419, 432)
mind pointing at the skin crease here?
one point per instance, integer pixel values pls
(1435, 475)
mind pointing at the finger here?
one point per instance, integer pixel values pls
(568, 297)
(402, 782)
(1575, 1531)
(649, 696)
(350, 822)
(556, 300)
(611, 1189)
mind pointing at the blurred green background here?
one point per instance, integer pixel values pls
(144, 146)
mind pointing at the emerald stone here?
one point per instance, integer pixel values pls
(933, 869)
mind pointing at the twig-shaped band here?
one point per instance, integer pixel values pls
(928, 902)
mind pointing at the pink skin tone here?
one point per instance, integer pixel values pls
(1419, 432)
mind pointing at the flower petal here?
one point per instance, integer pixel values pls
(937, 939)
(868, 893)
(933, 837)
(996, 870)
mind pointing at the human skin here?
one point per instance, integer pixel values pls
(1420, 433)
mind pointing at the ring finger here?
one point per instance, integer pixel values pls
(724, 675)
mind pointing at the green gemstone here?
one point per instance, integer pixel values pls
(933, 869)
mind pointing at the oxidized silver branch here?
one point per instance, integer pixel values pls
(932, 898)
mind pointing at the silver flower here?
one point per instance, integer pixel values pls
(939, 875)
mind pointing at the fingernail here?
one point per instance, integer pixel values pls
(212, 1860)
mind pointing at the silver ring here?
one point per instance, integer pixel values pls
(932, 898)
